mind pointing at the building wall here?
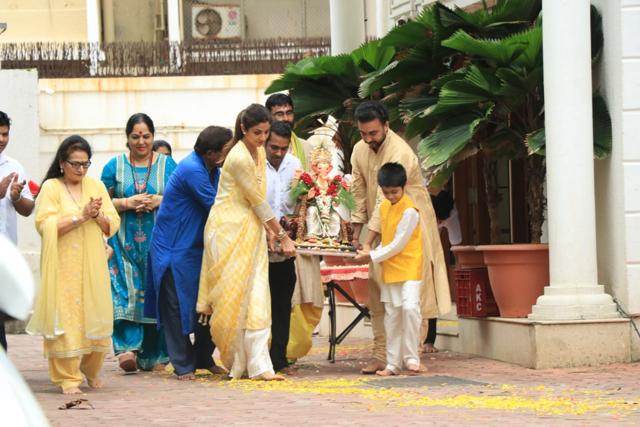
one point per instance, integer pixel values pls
(618, 177)
(44, 20)
(132, 20)
(402, 9)
(274, 18)
(630, 27)
(20, 102)
(45, 112)
(609, 179)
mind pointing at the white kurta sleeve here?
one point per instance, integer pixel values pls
(406, 226)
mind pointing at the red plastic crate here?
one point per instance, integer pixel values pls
(473, 293)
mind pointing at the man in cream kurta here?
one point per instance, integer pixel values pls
(380, 145)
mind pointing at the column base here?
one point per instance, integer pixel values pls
(544, 344)
(574, 303)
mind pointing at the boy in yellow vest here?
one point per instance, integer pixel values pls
(400, 253)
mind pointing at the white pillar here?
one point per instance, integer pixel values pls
(382, 17)
(347, 25)
(93, 21)
(93, 34)
(574, 292)
(173, 20)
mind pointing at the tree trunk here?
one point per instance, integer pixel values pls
(343, 140)
(490, 173)
(536, 201)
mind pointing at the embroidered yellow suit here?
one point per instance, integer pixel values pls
(73, 309)
(234, 282)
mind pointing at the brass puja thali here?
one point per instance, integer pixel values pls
(341, 250)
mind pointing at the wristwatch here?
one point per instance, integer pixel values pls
(75, 220)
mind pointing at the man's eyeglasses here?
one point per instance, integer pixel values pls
(78, 165)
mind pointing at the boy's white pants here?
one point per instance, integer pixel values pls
(402, 320)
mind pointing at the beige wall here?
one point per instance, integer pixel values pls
(133, 20)
(275, 18)
(46, 111)
(44, 20)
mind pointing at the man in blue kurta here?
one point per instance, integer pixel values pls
(175, 254)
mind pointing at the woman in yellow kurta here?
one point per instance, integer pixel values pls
(73, 310)
(234, 283)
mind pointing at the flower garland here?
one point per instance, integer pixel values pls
(338, 189)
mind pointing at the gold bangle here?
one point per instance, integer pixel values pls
(281, 234)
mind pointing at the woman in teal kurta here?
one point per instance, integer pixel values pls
(135, 181)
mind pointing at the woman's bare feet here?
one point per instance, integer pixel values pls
(385, 373)
(268, 376)
(95, 383)
(187, 377)
(72, 390)
(127, 361)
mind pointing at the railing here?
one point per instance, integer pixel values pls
(136, 59)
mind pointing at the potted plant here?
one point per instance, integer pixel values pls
(491, 104)
(467, 84)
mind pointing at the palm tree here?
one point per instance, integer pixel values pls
(465, 83)
(328, 85)
(493, 105)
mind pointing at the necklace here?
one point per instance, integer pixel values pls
(75, 202)
(140, 188)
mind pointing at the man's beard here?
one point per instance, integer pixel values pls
(275, 161)
(375, 145)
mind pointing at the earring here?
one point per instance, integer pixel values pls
(62, 171)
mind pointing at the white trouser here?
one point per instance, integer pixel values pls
(252, 356)
(402, 321)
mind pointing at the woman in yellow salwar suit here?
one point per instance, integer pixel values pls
(234, 283)
(73, 310)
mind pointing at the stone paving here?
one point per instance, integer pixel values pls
(460, 390)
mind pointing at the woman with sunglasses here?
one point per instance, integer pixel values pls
(136, 181)
(73, 310)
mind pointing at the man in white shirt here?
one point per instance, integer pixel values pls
(280, 105)
(281, 168)
(14, 196)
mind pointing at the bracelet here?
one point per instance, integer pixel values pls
(17, 200)
(124, 203)
(96, 215)
(281, 234)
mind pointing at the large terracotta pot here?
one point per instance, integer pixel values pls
(518, 274)
(468, 256)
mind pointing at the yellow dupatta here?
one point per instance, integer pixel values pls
(235, 255)
(96, 288)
